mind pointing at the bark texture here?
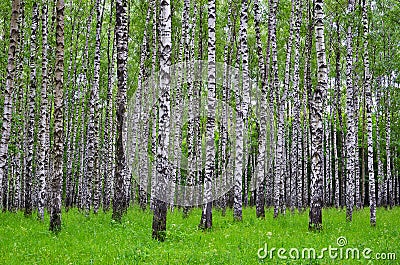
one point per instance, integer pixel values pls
(315, 217)
(58, 146)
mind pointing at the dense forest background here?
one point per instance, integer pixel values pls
(73, 88)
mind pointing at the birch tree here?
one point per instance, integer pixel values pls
(121, 32)
(315, 217)
(388, 151)
(57, 155)
(29, 177)
(163, 170)
(260, 171)
(43, 117)
(241, 116)
(280, 160)
(206, 216)
(9, 88)
(108, 132)
(350, 137)
(93, 134)
(297, 145)
(286, 86)
(368, 99)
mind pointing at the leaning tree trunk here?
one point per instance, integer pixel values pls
(315, 221)
(160, 205)
(206, 216)
(350, 137)
(8, 92)
(58, 146)
(368, 98)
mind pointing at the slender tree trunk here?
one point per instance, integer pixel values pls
(291, 175)
(315, 221)
(93, 135)
(296, 144)
(56, 184)
(368, 97)
(206, 217)
(381, 199)
(305, 115)
(108, 146)
(121, 31)
(357, 153)
(260, 171)
(5, 134)
(142, 142)
(19, 108)
(192, 107)
(155, 108)
(163, 171)
(279, 160)
(388, 152)
(241, 116)
(29, 178)
(350, 137)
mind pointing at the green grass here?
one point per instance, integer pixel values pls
(97, 240)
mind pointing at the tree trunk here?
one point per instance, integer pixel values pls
(350, 137)
(388, 152)
(163, 169)
(368, 98)
(381, 199)
(305, 132)
(108, 146)
(121, 31)
(206, 217)
(291, 175)
(43, 148)
(93, 134)
(56, 184)
(260, 171)
(296, 144)
(241, 116)
(315, 221)
(279, 160)
(29, 178)
(5, 134)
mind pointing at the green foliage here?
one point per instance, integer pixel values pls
(97, 240)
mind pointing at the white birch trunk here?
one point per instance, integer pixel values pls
(315, 221)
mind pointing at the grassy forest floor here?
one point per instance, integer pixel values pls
(97, 240)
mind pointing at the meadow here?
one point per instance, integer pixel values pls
(98, 240)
